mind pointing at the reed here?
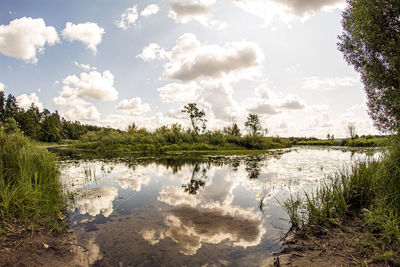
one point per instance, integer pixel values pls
(30, 190)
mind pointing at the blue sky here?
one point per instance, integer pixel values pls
(117, 62)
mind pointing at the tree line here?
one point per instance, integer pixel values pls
(39, 125)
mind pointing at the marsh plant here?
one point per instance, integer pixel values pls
(370, 188)
(30, 190)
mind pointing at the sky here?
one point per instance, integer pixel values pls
(112, 63)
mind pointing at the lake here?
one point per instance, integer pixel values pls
(190, 210)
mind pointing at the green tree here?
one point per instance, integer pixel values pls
(28, 122)
(196, 116)
(51, 130)
(253, 123)
(2, 106)
(233, 130)
(11, 108)
(371, 43)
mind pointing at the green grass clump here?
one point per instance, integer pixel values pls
(369, 189)
(367, 142)
(30, 190)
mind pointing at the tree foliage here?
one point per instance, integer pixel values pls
(196, 116)
(371, 43)
(253, 123)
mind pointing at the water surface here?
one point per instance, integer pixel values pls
(190, 210)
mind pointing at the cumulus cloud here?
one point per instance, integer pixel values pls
(286, 10)
(25, 101)
(151, 52)
(25, 37)
(128, 18)
(190, 59)
(150, 10)
(2, 87)
(85, 67)
(97, 201)
(133, 107)
(328, 83)
(74, 108)
(293, 102)
(184, 11)
(94, 85)
(308, 7)
(88, 33)
(174, 92)
(269, 102)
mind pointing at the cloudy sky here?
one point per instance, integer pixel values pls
(112, 63)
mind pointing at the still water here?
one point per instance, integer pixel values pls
(188, 210)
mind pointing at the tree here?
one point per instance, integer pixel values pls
(371, 43)
(253, 123)
(352, 130)
(28, 122)
(11, 107)
(2, 106)
(51, 130)
(233, 130)
(196, 116)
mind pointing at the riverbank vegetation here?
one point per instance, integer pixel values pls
(363, 141)
(369, 190)
(30, 190)
(175, 138)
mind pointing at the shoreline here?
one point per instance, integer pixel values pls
(39, 247)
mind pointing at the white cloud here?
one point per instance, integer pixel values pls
(269, 102)
(25, 37)
(178, 92)
(94, 85)
(97, 201)
(328, 83)
(293, 102)
(150, 10)
(184, 11)
(286, 10)
(75, 109)
(190, 59)
(85, 67)
(25, 101)
(88, 33)
(2, 87)
(128, 18)
(151, 52)
(133, 107)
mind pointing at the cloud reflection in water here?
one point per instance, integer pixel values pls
(96, 201)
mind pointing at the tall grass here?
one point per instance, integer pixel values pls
(369, 189)
(30, 190)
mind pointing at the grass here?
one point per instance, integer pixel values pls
(369, 189)
(30, 190)
(359, 142)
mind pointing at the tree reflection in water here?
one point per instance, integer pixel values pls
(196, 182)
(253, 167)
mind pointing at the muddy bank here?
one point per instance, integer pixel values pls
(20, 247)
(344, 245)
